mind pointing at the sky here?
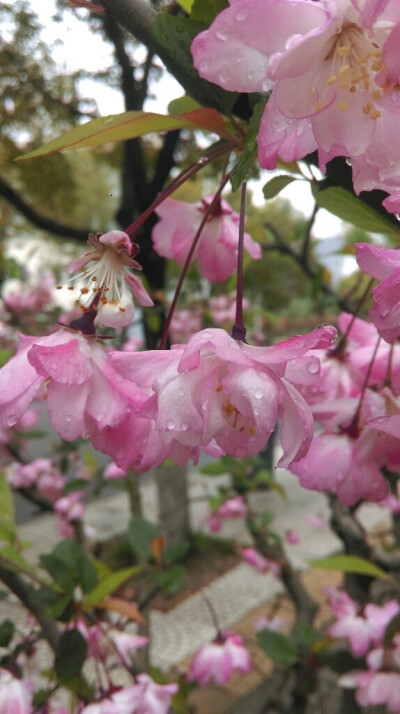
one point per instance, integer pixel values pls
(79, 47)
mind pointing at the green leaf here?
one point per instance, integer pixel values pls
(70, 653)
(305, 635)
(181, 105)
(171, 580)
(140, 535)
(350, 564)
(69, 566)
(207, 10)
(242, 170)
(176, 34)
(7, 629)
(276, 185)
(77, 484)
(349, 208)
(110, 583)
(175, 551)
(7, 524)
(214, 469)
(186, 5)
(5, 356)
(11, 559)
(278, 646)
(119, 127)
(52, 602)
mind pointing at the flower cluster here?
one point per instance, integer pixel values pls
(334, 73)
(218, 245)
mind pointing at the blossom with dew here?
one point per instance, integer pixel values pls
(217, 248)
(334, 74)
(219, 392)
(75, 377)
(109, 278)
(218, 659)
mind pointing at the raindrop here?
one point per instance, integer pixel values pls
(171, 425)
(349, 161)
(313, 367)
(12, 419)
(206, 335)
(181, 392)
(221, 36)
(397, 216)
(242, 14)
(184, 426)
(259, 394)
(68, 418)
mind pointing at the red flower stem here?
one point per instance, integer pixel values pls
(354, 422)
(134, 228)
(343, 339)
(188, 260)
(239, 330)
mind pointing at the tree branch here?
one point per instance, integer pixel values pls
(38, 219)
(24, 594)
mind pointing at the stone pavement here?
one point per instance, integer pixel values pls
(179, 632)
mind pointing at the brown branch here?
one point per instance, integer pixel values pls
(37, 218)
(24, 594)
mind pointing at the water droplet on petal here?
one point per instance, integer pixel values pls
(171, 425)
(349, 161)
(221, 35)
(206, 335)
(397, 216)
(68, 418)
(259, 394)
(184, 426)
(313, 367)
(12, 419)
(242, 14)
(181, 392)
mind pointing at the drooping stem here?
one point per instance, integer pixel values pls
(211, 610)
(189, 257)
(353, 427)
(343, 340)
(239, 330)
(133, 229)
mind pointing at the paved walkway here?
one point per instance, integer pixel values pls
(179, 632)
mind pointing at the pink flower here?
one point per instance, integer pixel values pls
(216, 660)
(29, 296)
(257, 561)
(223, 308)
(275, 624)
(83, 391)
(184, 324)
(316, 521)
(145, 697)
(218, 246)
(70, 507)
(333, 71)
(232, 508)
(104, 706)
(112, 253)
(113, 471)
(233, 394)
(292, 536)
(381, 683)
(383, 264)
(40, 472)
(362, 626)
(15, 697)
(127, 644)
